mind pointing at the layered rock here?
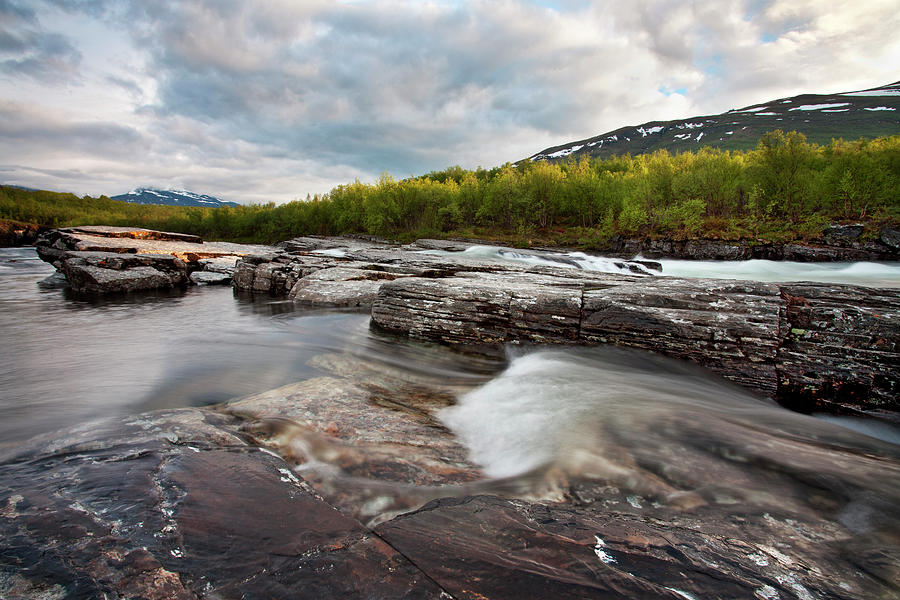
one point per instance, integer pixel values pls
(99, 259)
(806, 345)
(840, 243)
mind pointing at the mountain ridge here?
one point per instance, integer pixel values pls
(866, 113)
(171, 198)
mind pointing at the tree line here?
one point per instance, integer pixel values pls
(785, 189)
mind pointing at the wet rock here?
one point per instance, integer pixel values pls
(368, 431)
(842, 346)
(731, 327)
(716, 250)
(487, 547)
(840, 244)
(173, 505)
(340, 287)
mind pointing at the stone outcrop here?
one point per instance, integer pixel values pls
(840, 243)
(100, 260)
(811, 346)
(104, 272)
(14, 233)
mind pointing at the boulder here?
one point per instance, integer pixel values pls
(210, 278)
(146, 259)
(890, 237)
(844, 233)
(106, 272)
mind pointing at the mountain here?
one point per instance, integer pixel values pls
(820, 117)
(171, 198)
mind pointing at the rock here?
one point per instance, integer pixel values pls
(716, 250)
(840, 245)
(730, 327)
(14, 233)
(146, 259)
(890, 237)
(340, 286)
(173, 505)
(210, 278)
(199, 503)
(106, 272)
(842, 347)
(135, 233)
(746, 331)
(487, 547)
(225, 264)
(840, 233)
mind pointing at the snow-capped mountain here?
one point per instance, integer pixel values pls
(171, 198)
(820, 117)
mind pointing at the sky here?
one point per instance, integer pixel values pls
(257, 101)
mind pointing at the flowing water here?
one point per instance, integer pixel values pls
(656, 428)
(872, 274)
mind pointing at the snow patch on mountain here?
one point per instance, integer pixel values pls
(819, 106)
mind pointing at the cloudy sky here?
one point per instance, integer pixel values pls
(268, 100)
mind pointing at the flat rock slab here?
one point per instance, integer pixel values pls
(173, 505)
(148, 260)
(488, 547)
(83, 239)
(135, 233)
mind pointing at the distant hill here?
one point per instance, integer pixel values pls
(171, 198)
(851, 115)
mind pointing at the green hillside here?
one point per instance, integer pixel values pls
(820, 117)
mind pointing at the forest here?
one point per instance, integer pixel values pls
(785, 189)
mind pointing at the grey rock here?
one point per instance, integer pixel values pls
(100, 260)
(210, 278)
(813, 347)
(106, 272)
(839, 233)
(340, 286)
(175, 505)
(218, 265)
(890, 237)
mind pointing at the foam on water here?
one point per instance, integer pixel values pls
(637, 419)
(333, 252)
(874, 274)
(572, 260)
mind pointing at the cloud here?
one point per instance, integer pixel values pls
(249, 98)
(28, 50)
